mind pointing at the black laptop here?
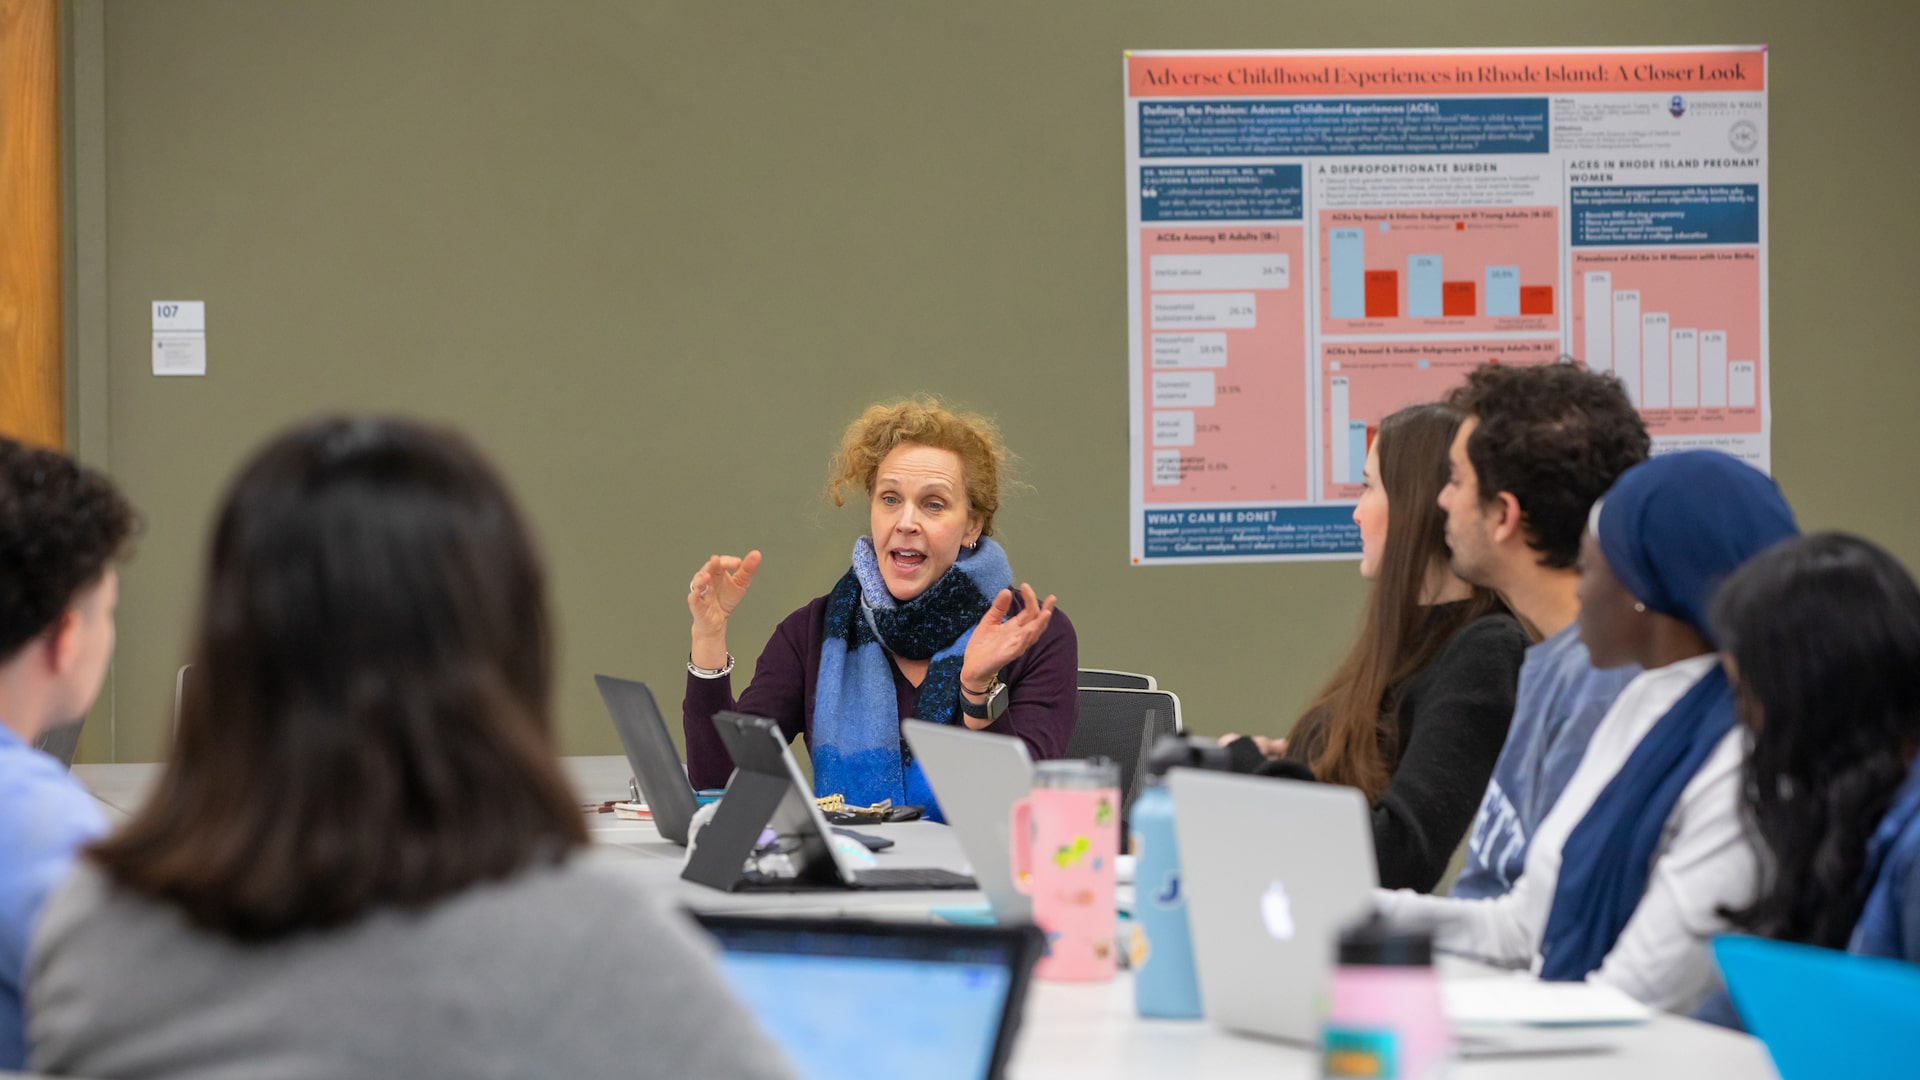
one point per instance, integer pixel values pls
(656, 764)
(769, 795)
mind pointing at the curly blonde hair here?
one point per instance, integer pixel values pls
(922, 421)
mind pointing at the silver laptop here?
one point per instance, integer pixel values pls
(1273, 870)
(977, 777)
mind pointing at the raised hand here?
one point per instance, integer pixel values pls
(998, 640)
(715, 591)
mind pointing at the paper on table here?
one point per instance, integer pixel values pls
(1525, 1000)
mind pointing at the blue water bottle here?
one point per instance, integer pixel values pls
(1160, 950)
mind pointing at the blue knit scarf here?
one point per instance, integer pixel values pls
(856, 721)
(1671, 529)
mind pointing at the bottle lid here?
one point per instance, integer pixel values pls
(1375, 943)
(1077, 773)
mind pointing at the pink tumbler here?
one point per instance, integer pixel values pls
(1066, 835)
(1386, 1018)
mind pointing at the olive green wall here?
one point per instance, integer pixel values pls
(653, 256)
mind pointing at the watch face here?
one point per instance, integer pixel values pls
(997, 700)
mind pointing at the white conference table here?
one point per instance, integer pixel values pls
(1071, 1031)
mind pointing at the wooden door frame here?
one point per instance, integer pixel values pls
(32, 358)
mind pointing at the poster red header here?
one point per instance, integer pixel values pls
(1302, 74)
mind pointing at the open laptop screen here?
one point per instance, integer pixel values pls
(859, 999)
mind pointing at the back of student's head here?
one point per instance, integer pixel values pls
(1555, 436)
(369, 721)
(1823, 635)
(61, 527)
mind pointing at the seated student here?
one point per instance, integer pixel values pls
(61, 528)
(924, 625)
(1627, 875)
(363, 859)
(1540, 444)
(1416, 713)
(1831, 791)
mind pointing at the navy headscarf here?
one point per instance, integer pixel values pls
(1672, 529)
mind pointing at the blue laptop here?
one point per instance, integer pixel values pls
(1824, 1013)
(855, 999)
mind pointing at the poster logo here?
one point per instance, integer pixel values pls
(1678, 106)
(1743, 136)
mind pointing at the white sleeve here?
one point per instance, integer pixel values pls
(1706, 862)
(1495, 929)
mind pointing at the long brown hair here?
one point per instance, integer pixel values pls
(1350, 733)
(368, 718)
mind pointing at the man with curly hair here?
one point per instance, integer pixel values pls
(62, 528)
(1540, 445)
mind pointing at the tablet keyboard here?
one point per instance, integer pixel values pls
(912, 877)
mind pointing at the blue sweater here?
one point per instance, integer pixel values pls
(1890, 922)
(1562, 698)
(45, 818)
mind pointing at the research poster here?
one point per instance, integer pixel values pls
(1316, 239)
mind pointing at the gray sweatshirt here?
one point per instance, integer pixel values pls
(556, 972)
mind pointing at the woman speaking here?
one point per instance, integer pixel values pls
(925, 623)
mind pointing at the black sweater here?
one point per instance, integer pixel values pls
(1453, 722)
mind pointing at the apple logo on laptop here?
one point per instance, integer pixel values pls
(1276, 911)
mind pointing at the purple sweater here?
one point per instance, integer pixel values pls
(1042, 683)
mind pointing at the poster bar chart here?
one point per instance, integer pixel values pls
(1655, 373)
(1626, 341)
(1456, 299)
(1685, 351)
(1424, 287)
(1347, 273)
(1337, 409)
(1503, 290)
(1664, 366)
(1599, 354)
(1471, 267)
(1348, 438)
(1713, 369)
(1741, 393)
(1383, 294)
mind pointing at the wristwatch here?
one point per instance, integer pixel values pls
(989, 709)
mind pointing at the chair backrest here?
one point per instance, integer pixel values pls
(1123, 724)
(179, 695)
(1098, 678)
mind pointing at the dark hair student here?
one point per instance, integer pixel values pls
(362, 853)
(1555, 436)
(1822, 636)
(63, 526)
(371, 654)
(1415, 714)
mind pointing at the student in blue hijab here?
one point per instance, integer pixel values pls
(1628, 875)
